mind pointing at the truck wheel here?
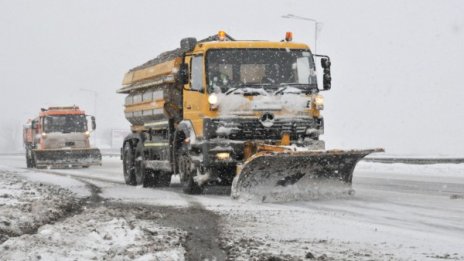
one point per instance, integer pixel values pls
(142, 175)
(32, 159)
(149, 178)
(28, 159)
(188, 172)
(226, 174)
(163, 179)
(128, 164)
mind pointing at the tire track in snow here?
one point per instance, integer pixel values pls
(201, 224)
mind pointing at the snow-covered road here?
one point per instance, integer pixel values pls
(410, 212)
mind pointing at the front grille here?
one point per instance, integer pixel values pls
(247, 129)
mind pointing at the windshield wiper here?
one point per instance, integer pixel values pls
(305, 87)
(293, 83)
(231, 90)
(281, 90)
(250, 85)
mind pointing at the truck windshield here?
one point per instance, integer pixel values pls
(235, 68)
(65, 123)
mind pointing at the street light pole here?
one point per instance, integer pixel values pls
(95, 95)
(291, 16)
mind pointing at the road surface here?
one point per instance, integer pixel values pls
(399, 212)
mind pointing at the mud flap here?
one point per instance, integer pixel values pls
(67, 157)
(302, 175)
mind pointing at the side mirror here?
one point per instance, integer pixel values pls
(94, 124)
(327, 78)
(183, 73)
(325, 63)
(33, 124)
(188, 44)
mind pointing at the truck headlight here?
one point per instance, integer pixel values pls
(44, 135)
(223, 155)
(213, 99)
(87, 134)
(319, 102)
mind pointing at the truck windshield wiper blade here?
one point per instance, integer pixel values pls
(253, 85)
(231, 90)
(303, 86)
(281, 90)
(294, 84)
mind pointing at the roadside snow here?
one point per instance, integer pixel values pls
(39, 220)
(25, 206)
(140, 195)
(399, 212)
(79, 189)
(99, 234)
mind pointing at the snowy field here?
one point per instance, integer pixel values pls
(399, 212)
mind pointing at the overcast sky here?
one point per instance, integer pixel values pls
(397, 65)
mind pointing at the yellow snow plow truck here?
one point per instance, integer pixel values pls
(230, 112)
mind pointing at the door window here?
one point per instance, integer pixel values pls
(197, 73)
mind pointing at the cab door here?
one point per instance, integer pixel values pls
(195, 98)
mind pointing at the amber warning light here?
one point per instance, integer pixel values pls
(221, 35)
(288, 36)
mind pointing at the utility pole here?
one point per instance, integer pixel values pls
(95, 96)
(316, 23)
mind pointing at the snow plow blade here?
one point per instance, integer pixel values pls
(67, 157)
(297, 175)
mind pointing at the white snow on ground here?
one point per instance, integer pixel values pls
(399, 212)
(39, 220)
(98, 234)
(78, 188)
(25, 206)
(141, 195)
(377, 223)
(348, 229)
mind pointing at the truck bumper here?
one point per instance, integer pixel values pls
(66, 157)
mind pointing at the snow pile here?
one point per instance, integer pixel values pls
(25, 206)
(98, 234)
(43, 221)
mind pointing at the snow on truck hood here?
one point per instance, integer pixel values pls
(290, 101)
(56, 140)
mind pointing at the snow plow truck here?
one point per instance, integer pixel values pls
(59, 137)
(245, 114)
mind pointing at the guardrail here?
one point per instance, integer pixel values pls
(416, 160)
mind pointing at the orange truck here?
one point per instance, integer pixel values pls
(59, 137)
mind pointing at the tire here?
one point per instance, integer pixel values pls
(28, 159)
(163, 179)
(149, 178)
(188, 172)
(226, 174)
(128, 164)
(32, 160)
(142, 176)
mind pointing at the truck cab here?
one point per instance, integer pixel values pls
(59, 136)
(203, 109)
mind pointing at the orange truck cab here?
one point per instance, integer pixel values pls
(59, 137)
